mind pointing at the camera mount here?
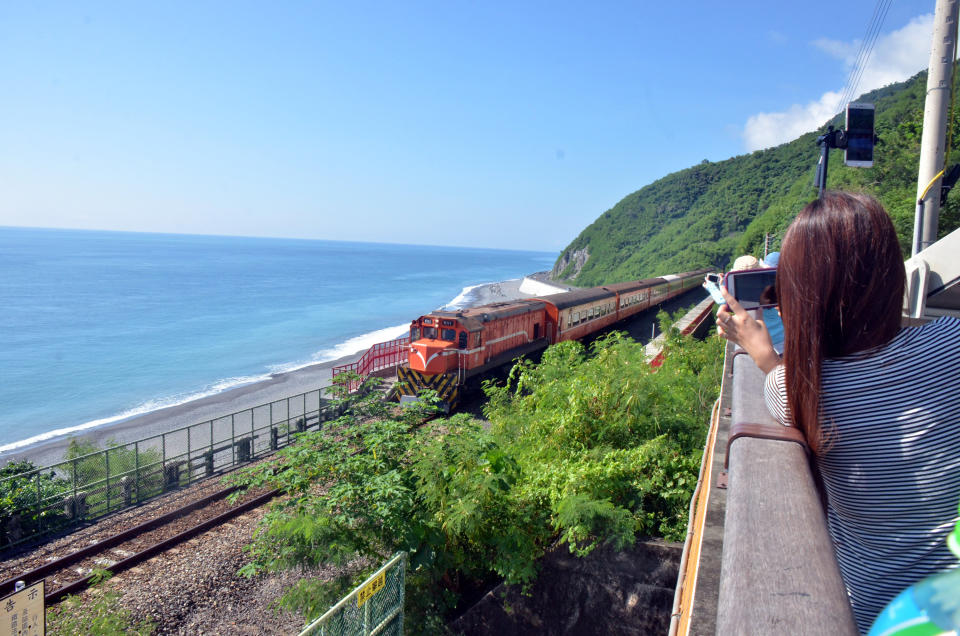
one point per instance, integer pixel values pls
(832, 139)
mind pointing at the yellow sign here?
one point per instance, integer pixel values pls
(370, 589)
(23, 613)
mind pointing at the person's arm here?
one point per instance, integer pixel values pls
(775, 395)
(737, 325)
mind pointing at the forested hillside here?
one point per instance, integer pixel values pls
(709, 214)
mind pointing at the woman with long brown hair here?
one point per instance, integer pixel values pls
(879, 405)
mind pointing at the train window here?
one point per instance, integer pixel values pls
(430, 332)
(446, 323)
(448, 334)
(462, 340)
(414, 334)
(428, 321)
(479, 340)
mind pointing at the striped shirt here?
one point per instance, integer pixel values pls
(890, 459)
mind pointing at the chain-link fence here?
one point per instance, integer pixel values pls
(374, 607)
(90, 485)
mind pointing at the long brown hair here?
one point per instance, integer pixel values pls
(840, 284)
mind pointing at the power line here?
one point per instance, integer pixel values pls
(866, 49)
(865, 45)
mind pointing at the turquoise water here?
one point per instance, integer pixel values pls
(98, 326)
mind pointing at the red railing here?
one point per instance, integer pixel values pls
(382, 355)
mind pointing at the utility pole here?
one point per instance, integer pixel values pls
(933, 141)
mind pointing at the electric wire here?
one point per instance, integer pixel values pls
(880, 12)
(871, 25)
(866, 49)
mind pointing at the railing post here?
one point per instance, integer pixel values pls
(36, 478)
(106, 462)
(233, 442)
(74, 479)
(366, 618)
(136, 473)
(189, 458)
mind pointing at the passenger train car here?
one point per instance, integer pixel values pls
(447, 348)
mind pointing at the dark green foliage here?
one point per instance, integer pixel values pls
(585, 448)
(708, 214)
(29, 501)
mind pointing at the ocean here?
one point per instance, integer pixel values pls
(96, 327)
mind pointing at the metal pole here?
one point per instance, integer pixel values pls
(39, 501)
(933, 141)
(106, 461)
(824, 163)
(136, 463)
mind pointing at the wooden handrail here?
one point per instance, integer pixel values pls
(779, 573)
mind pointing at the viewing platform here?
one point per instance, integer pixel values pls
(758, 558)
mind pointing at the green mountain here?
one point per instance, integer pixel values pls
(709, 214)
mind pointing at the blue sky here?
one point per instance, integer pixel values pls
(491, 124)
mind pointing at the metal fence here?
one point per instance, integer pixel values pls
(383, 355)
(44, 500)
(374, 607)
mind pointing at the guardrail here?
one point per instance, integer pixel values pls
(44, 500)
(383, 355)
(374, 607)
(778, 571)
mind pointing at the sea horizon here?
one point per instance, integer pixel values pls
(107, 325)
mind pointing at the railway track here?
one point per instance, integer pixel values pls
(73, 572)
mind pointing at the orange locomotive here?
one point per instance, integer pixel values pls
(447, 348)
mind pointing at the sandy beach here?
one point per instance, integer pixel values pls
(278, 387)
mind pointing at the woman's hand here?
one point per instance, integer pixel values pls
(737, 325)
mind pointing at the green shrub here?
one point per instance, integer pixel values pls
(100, 614)
(30, 502)
(584, 448)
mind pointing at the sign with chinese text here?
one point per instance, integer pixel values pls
(371, 588)
(23, 613)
